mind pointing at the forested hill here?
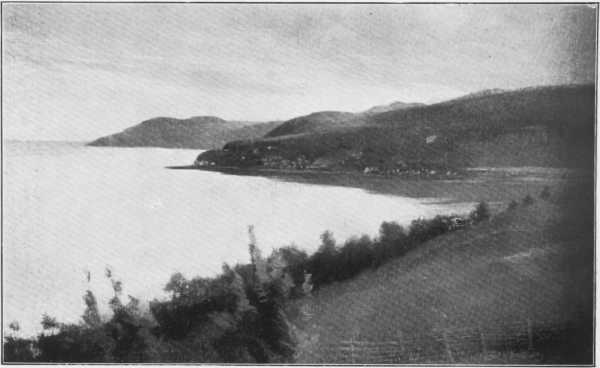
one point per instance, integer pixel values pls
(210, 132)
(549, 126)
(323, 121)
(201, 132)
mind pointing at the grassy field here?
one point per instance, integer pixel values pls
(518, 289)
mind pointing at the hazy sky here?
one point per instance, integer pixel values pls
(79, 71)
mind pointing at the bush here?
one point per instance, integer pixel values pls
(355, 256)
(545, 194)
(393, 239)
(512, 205)
(480, 213)
(528, 200)
(237, 316)
(422, 230)
(76, 344)
(418, 231)
(295, 265)
(323, 263)
(16, 349)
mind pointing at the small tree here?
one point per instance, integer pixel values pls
(91, 317)
(528, 200)
(17, 349)
(545, 194)
(481, 212)
(49, 323)
(323, 263)
(392, 233)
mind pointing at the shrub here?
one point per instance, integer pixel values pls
(422, 230)
(295, 265)
(17, 349)
(323, 263)
(418, 231)
(76, 344)
(528, 200)
(480, 213)
(512, 205)
(237, 316)
(355, 256)
(393, 239)
(545, 194)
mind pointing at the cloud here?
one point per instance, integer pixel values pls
(273, 61)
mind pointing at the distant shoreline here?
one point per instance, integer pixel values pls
(492, 184)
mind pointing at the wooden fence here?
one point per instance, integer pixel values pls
(444, 345)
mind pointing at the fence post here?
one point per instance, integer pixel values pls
(400, 351)
(482, 337)
(352, 349)
(529, 335)
(447, 346)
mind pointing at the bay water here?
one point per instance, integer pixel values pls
(70, 210)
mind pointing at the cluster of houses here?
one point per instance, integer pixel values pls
(278, 162)
(204, 163)
(389, 171)
(456, 223)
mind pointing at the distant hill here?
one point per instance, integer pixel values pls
(313, 123)
(543, 126)
(482, 93)
(322, 121)
(210, 132)
(393, 106)
(200, 132)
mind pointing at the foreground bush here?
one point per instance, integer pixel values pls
(528, 200)
(481, 212)
(235, 317)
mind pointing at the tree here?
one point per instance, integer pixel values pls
(355, 256)
(393, 239)
(327, 243)
(16, 349)
(528, 200)
(545, 194)
(481, 212)
(295, 261)
(91, 317)
(323, 263)
(49, 323)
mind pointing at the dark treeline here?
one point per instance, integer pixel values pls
(237, 316)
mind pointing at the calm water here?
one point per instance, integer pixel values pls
(69, 209)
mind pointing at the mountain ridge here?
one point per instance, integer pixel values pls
(198, 132)
(541, 126)
(210, 132)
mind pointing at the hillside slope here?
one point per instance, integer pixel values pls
(314, 123)
(518, 289)
(201, 132)
(393, 106)
(544, 126)
(323, 121)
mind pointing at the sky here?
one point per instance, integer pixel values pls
(80, 71)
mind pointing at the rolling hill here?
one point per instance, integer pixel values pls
(323, 121)
(210, 132)
(516, 289)
(314, 123)
(200, 132)
(549, 126)
(398, 105)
